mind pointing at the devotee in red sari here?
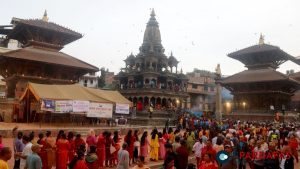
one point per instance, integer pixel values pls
(63, 147)
(50, 149)
(209, 149)
(71, 153)
(42, 153)
(78, 162)
(101, 148)
(117, 145)
(129, 139)
(108, 143)
(208, 163)
(78, 141)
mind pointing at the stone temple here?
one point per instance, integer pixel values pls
(151, 78)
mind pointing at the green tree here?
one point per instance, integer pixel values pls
(101, 78)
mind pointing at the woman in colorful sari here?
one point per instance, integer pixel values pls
(190, 141)
(171, 136)
(50, 149)
(101, 149)
(43, 153)
(161, 150)
(154, 145)
(144, 150)
(62, 151)
(91, 158)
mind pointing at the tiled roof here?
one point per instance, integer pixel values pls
(259, 75)
(262, 48)
(48, 56)
(46, 25)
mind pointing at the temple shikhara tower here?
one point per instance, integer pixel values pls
(151, 78)
(261, 90)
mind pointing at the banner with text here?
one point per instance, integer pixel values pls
(63, 106)
(122, 108)
(80, 106)
(48, 105)
(103, 110)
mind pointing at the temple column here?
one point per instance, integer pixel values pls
(218, 94)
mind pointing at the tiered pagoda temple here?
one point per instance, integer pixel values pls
(38, 60)
(151, 77)
(261, 89)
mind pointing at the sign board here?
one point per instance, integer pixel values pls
(103, 110)
(63, 106)
(48, 105)
(80, 106)
(2, 94)
(122, 108)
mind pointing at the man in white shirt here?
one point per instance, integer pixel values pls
(259, 152)
(197, 149)
(214, 140)
(26, 151)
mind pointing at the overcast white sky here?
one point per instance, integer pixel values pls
(200, 33)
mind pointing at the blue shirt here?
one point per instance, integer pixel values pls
(19, 146)
(34, 161)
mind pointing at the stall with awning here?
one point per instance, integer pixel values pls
(41, 98)
(121, 103)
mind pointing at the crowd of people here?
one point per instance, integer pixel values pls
(244, 143)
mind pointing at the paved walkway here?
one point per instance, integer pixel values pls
(6, 128)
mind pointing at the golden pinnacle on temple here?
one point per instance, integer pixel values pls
(261, 39)
(45, 17)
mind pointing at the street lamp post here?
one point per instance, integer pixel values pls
(244, 105)
(283, 112)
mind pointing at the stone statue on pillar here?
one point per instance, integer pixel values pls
(218, 93)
